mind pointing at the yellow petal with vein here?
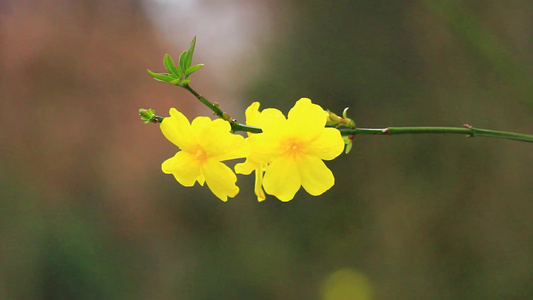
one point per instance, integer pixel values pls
(315, 175)
(220, 179)
(328, 145)
(184, 167)
(177, 130)
(282, 178)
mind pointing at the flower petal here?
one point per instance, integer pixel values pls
(200, 129)
(252, 114)
(328, 145)
(271, 116)
(184, 167)
(316, 177)
(220, 179)
(268, 145)
(201, 179)
(246, 167)
(218, 141)
(177, 130)
(307, 115)
(282, 178)
(258, 187)
(232, 147)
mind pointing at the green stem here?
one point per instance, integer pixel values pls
(235, 126)
(207, 103)
(157, 119)
(468, 130)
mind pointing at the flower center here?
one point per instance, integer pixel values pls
(200, 154)
(293, 148)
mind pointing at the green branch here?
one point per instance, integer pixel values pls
(467, 130)
(235, 126)
(179, 75)
(214, 107)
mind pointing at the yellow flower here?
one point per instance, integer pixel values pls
(255, 161)
(204, 143)
(294, 148)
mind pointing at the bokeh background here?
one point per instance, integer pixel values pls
(86, 213)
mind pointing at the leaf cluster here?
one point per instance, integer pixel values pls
(149, 116)
(178, 74)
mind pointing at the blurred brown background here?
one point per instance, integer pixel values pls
(86, 213)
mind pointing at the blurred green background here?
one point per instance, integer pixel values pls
(86, 213)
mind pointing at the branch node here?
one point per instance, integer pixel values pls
(470, 128)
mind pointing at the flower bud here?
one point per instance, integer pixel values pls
(333, 119)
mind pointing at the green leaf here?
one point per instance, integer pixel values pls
(175, 81)
(193, 69)
(190, 53)
(169, 65)
(165, 77)
(183, 59)
(348, 148)
(348, 140)
(146, 114)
